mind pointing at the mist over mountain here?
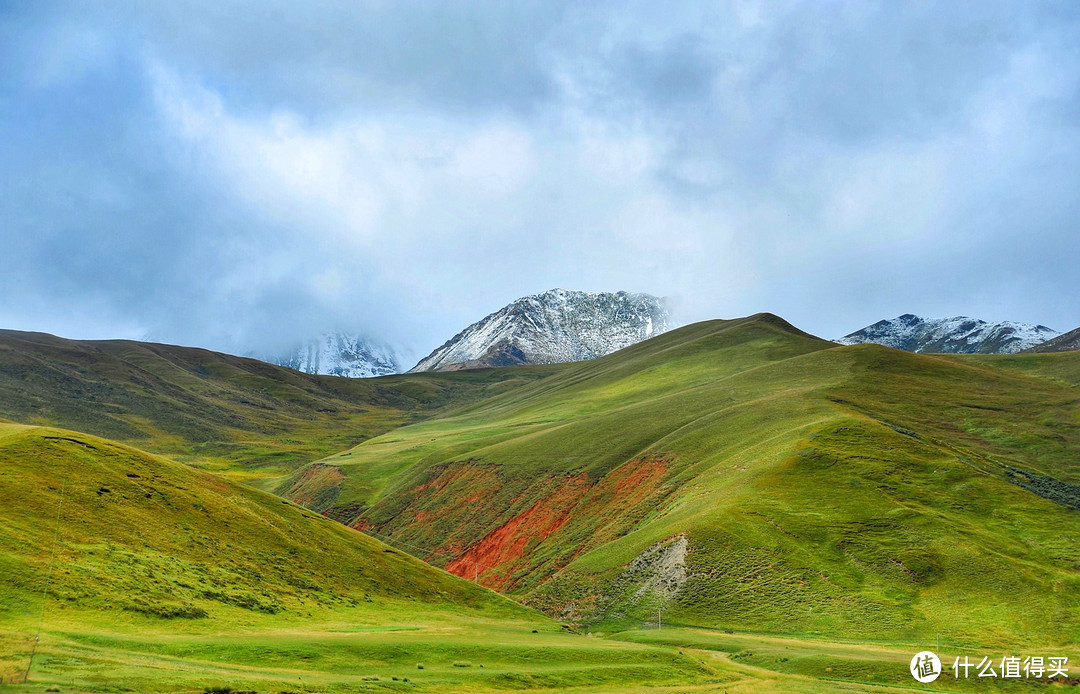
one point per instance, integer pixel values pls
(340, 354)
(232, 180)
(564, 325)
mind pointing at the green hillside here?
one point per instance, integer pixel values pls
(743, 475)
(146, 575)
(214, 410)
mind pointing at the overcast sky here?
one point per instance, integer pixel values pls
(240, 176)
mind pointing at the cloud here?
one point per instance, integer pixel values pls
(241, 177)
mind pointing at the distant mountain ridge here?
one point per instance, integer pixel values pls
(957, 335)
(556, 326)
(340, 354)
(1065, 342)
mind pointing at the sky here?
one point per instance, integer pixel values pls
(243, 176)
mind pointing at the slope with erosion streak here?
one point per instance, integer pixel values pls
(841, 490)
(123, 571)
(146, 537)
(548, 425)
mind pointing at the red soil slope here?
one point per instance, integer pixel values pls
(589, 512)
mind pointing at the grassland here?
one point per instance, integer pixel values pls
(233, 415)
(165, 578)
(831, 492)
(805, 516)
(126, 572)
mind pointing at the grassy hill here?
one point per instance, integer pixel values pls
(743, 475)
(215, 410)
(146, 575)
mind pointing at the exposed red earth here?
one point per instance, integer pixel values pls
(461, 495)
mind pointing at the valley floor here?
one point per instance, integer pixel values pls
(484, 656)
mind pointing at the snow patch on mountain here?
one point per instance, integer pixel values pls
(955, 335)
(554, 327)
(1065, 342)
(341, 354)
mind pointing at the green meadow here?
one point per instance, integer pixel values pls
(134, 573)
(804, 517)
(840, 492)
(162, 577)
(237, 416)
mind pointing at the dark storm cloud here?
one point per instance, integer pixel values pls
(240, 176)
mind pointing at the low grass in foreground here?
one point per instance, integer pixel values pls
(489, 656)
(162, 578)
(135, 573)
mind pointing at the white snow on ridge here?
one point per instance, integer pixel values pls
(554, 327)
(959, 334)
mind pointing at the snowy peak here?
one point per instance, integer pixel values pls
(341, 354)
(1065, 342)
(957, 335)
(554, 327)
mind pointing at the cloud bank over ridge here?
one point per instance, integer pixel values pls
(239, 177)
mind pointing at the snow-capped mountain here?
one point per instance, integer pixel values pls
(951, 335)
(1065, 342)
(341, 354)
(556, 326)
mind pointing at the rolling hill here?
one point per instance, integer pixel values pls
(210, 409)
(141, 574)
(745, 475)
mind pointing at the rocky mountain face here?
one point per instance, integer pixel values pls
(340, 354)
(556, 326)
(1065, 342)
(951, 335)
